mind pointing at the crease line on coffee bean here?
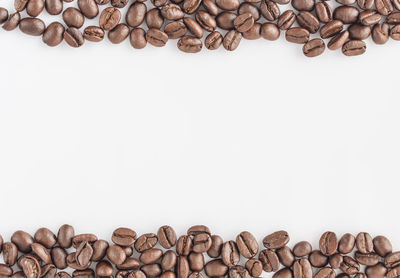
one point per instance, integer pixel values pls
(316, 25)
(196, 254)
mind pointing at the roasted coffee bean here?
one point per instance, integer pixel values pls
(302, 248)
(65, 235)
(62, 274)
(201, 242)
(380, 35)
(169, 274)
(303, 5)
(116, 254)
(308, 21)
(154, 19)
(88, 8)
(196, 261)
(269, 260)
(193, 27)
(5, 270)
(54, 7)
(297, 35)
(253, 33)
(225, 20)
(182, 264)
(45, 237)
(270, 31)
(349, 265)
(246, 242)
(394, 272)
(238, 271)
(138, 38)
(317, 259)
(346, 14)
(365, 4)
(212, 42)
(209, 24)
(369, 17)
(216, 268)
(346, 2)
(151, 256)
(246, 7)
(41, 252)
(174, 30)
(255, 267)
(149, 240)
(335, 43)
(29, 264)
(283, 273)
(184, 245)
(119, 3)
(325, 272)
(323, 11)
(109, 18)
(384, 7)
(83, 253)
(172, 12)
(191, 44)
(368, 259)
(118, 35)
(335, 260)
(210, 7)
(342, 275)
(347, 242)
(285, 21)
(364, 240)
(158, 3)
(3, 18)
(230, 254)
(58, 254)
(134, 18)
(22, 239)
(151, 270)
(270, 10)
(18, 274)
(102, 2)
(104, 269)
(243, 22)
(20, 5)
(393, 18)
(359, 32)
(96, 34)
(328, 241)
(166, 234)
(34, 7)
(87, 273)
(376, 271)
(302, 268)
(48, 271)
(53, 36)
(285, 254)
(156, 38)
(191, 6)
(73, 17)
(228, 5)
(392, 259)
(10, 253)
(129, 263)
(396, 4)
(71, 258)
(168, 260)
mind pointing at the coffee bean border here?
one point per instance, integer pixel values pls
(222, 22)
(198, 253)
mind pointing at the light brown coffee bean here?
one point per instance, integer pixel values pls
(228, 5)
(346, 14)
(34, 7)
(325, 272)
(270, 10)
(54, 7)
(329, 30)
(297, 35)
(138, 38)
(166, 234)
(243, 22)
(134, 18)
(154, 19)
(10, 253)
(302, 268)
(212, 42)
(88, 8)
(210, 7)
(246, 242)
(380, 33)
(285, 21)
(59, 256)
(209, 24)
(96, 34)
(347, 242)
(65, 235)
(270, 31)
(363, 240)
(109, 18)
(172, 12)
(308, 21)
(384, 7)
(382, 246)
(323, 11)
(193, 27)
(216, 268)
(317, 259)
(286, 256)
(230, 254)
(174, 30)
(349, 265)
(73, 17)
(255, 267)
(269, 260)
(191, 44)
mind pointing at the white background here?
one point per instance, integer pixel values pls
(258, 139)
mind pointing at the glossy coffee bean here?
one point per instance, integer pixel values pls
(246, 242)
(20, 5)
(87, 273)
(325, 272)
(171, 274)
(5, 270)
(365, 4)
(3, 18)
(83, 253)
(118, 35)
(302, 268)
(96, 34)
(191, 6)
(134, 18)
(335, 260)
(363, 240)
(166, 234)
(317, 259)
(154, 19)
(238, 271)
(88, 8)
(194, 27)
(184, 245)
(347, 242)
(269, 260)
(30, 266)
(271, 32)
(328, 241)
(297, 35)
(149, 240)
(65, 235)
(201, 242)
(253, 33)
(255, 267)
(104, 269)
(208, 23)
(10, 253)
(246, 7)
(73, 18)
(392, 259)
(380, 35)
(116, 254)
(346, 14)
(285, 21)
(243, 22)
(45, 237)
(302, 248)
(303, 5)
(225, 20)
(376, 271)
(368, 259)
(285, 254)
(230, 254)
(54, 7)
(151, 256)
(359, 32)
(310, 22)
(212, 42)
(393, 18)
(182, 264)
(384, 7)
(283, 273)
(22, 239)
(196, 261)
(138, 38)
(34, 7)
(58, 254)
(119, 3)
(152, 270)
(168, 260)
(172, 12)
(349, 265)
(174, 30)
(369, 18)
(228, 5)
(48, 271)
(382, 245)
(210, 7)
(12, 22)
(109, 18)
(270, 10)
(41, 252)
(216, 268)
(323, 11)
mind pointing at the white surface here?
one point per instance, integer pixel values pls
(105, 136)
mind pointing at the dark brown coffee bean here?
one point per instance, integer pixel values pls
(285, 21)
(329, 30)
(380, 35)
(230, 254)
(392, 259)
(134, 18)
(45, 237)
(393, 18)
(269, 260)
(119, 3)
(10, 253)
(225, 20)
(151, 270)
(65, 235)
(384, 7)
(285, 254)
(53, 35)
(216, 268)
(201, 242)
(376, 271)
(118, 35)
(323, 11)
(303, 5)
(208, 23)
(270, 10)
(212, 42)
(172, 12)
(138, 38)
(174, 30)
(96, 34)
(297, 35)
(156, 38)
(335, 260)
(20, 5)
(78, 239)
(151, 256)
(54, 7)
(184, 245)
(238, 271)
(18, 274)
(168, 260)
(317, 259)
(346, 14)
(308, 21)
(193, 27)
(302, 268)
(369, 17)
(3, 18)
(5, 270)
(48, 271)
(109, 18)
(73, 17)
(116, 254)
(196, 261)
(359, 32)
(382, 245)
(62, 274)
(349, 265)
(277, 239)
(41, 252)
(243, 22)
(182, 264)
(210, 7)
(283, 273)
(325, 272)
(83, 253)
(88, 8)
(34, 7)
(59, 255)
(270, 31)
(22, 239)
(228, 5)
(302, 248)
(29, 264)
(369, 259)
(104, 269)
(129, 264)
(12, 22)
(255, 267)
(154, 19)
(166, 234)
(246, 242)
(347, 242)
(191, 6)
(364, 240)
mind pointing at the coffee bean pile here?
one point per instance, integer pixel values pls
(196, 254)
(226, 22)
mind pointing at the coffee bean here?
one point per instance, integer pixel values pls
(392, 259)
(335, 43)
(297, 35)
(238, 271)
(369, 17)
(191, 44)
(208, 23)
(29, 264)
(45, 237)
(369, 259)
(283, 273)
(20, 5)
(323, 11)
(118, 35)
(394, 273)
(87, 273)
(196, 261)
(182, 264)
(166, 234)
(277, 239)
(138, 38)
(396, 4)
(22, 239)
(329, 30)
(325, 272)
(54, 7)
(317, 259)
(129, 263)
(201, 242)
(230, 254)
(360, 275)
(303, 5)
(116, 254)
(134, 18)
(302, 268)
(83, 253)
(346, 2)
(191, 6)
(285, 254)
(73, 17)
(308, 21)
(174, 30)
(10, 253)
(62, 274)
(216, 268)
(193, 27)
(156, 38)
(365, 4)
(151, 270)
(119, 3)
(59, 256)
(269, 260)
(3, 18)
(184, 245)
(384, 7)
(71, 258)
(270, 10)
(154, 19)
(359, 32)
(302, 248)
(349, 265)
(151, 256)
(172, 12)
(335, 260)
(168, 274)
(286, 20)
(212, 42)
(88, 8)
(270, 31)
(376, 271)
(347, 242)
(243, 22)
(393, 18)
(364, 240)
(104, 269)
(41, 252)
(48, 271)
(5, 270)
(168, 260)
(246, 7)
(34, 7)
(228, 5)
(255, 267)
(246, 242)
(109, 18)
(65, 235)
(380, 35)
(225, 20)
(253, 33)
(96, 34)
(53, 35)
(18, 274)
(78, 239)
(346, 14)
